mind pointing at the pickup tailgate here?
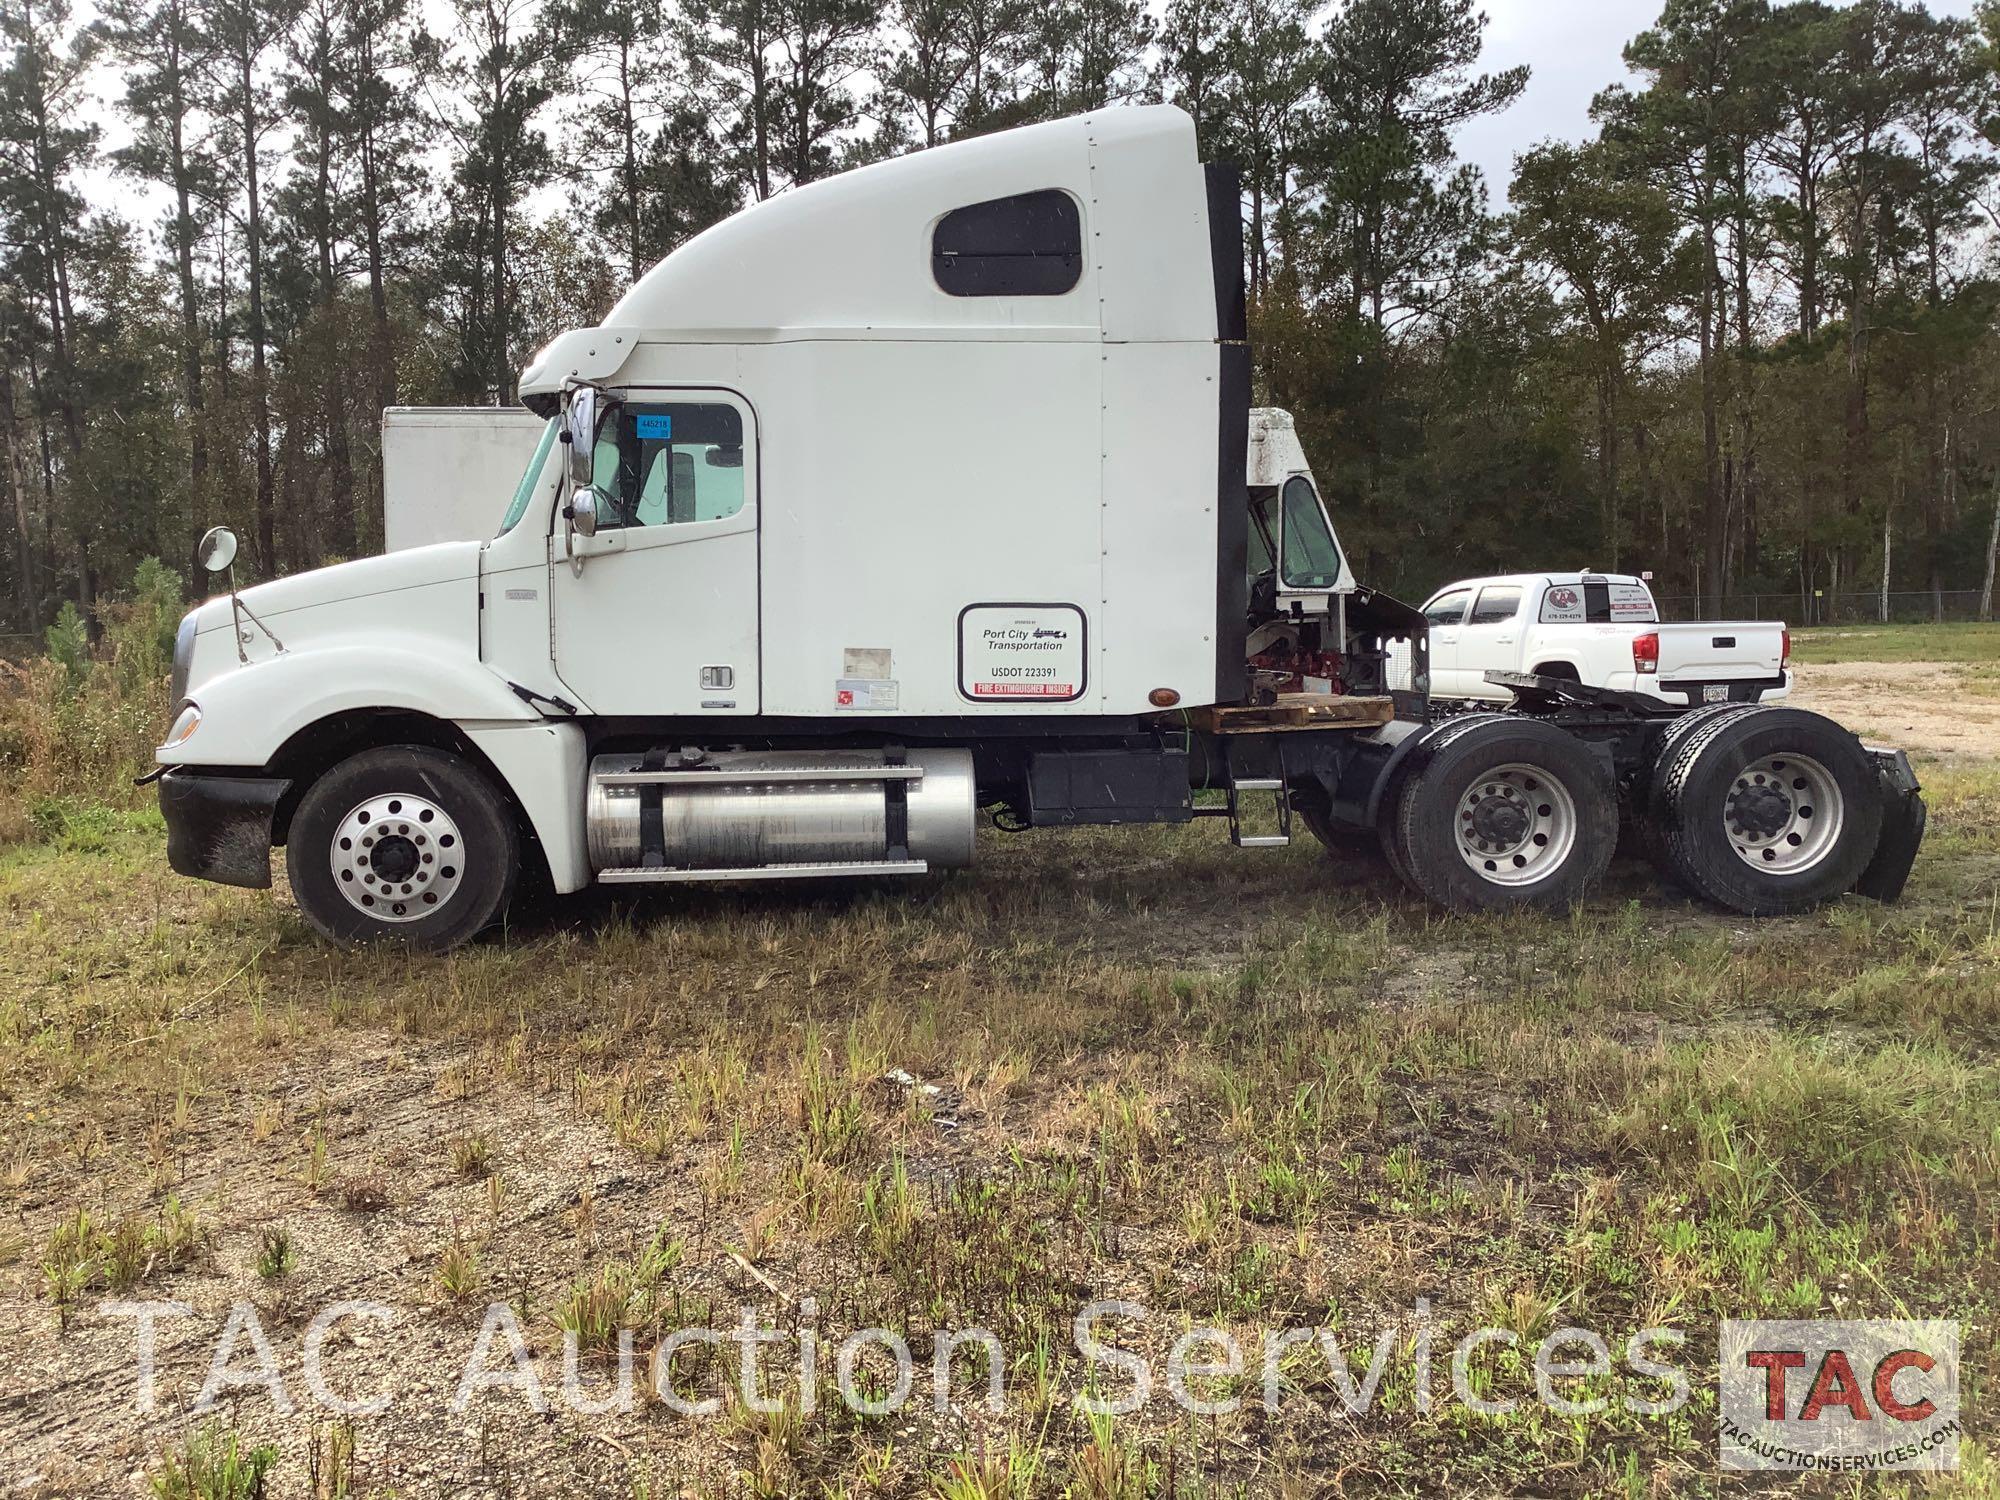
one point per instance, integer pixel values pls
(1720, 651)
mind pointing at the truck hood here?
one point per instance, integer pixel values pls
(418, 567)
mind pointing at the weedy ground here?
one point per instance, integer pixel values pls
(1246, 1090)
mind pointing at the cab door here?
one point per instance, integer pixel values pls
(1490, 641)
(1446, 612)
(657, 613)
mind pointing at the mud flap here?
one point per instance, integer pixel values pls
(219, 827)
(1904, 817)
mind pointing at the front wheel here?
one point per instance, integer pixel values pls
(1505, 812)
(402, 844)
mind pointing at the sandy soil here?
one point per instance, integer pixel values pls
(1920, 707)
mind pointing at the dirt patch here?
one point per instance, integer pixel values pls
(1921, 707)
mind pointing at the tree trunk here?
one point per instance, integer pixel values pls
(30, 594)
(253, 250)
(1992, 553)
(184, 242)
(333, 398)
(1888, 549)
(1716, 502)
(382, 350)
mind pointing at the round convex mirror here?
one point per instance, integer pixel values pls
(217, 550)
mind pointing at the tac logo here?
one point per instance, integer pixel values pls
(1839, 1396)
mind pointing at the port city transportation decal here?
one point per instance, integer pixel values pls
(1021, 651)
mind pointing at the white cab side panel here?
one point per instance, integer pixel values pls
(903, 482)
(1146, 227)
(1159, 470)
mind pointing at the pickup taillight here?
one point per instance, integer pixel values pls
(1785, 649)
(1646, 652)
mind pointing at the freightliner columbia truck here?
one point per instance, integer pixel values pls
(927, 489)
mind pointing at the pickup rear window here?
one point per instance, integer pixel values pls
(1598, 601)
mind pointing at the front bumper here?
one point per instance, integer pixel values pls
(219, 827)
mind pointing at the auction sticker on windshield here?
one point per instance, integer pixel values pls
(1014, 651)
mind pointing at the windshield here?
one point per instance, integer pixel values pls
(531, 479)
(1311, 555)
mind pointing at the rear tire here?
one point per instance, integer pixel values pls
(1767, 811)
(1505, 812)
(1646, 801)
(402, 844)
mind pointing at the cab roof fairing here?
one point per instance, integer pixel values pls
(1275, 451)
(849, 256)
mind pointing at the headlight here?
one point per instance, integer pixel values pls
(183, 659)
(186, 722)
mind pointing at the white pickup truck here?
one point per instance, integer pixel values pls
(1600, 629)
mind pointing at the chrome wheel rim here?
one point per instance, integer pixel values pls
(1783, 813)
(397, 857)
(1515, 825)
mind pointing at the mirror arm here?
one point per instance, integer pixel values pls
(238, 612)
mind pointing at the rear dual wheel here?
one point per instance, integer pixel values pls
(1763, 809)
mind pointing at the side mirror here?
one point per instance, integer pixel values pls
(581, 512)
(217, 549)
(580, 418)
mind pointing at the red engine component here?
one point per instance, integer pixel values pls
(1302, 671)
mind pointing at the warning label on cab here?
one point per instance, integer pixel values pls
(1021, 651)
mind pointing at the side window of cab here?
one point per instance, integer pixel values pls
(1498, 604)
(1447, 609)
(664, 463)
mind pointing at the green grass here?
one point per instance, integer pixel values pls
(1219, 1083)
(1825, 645)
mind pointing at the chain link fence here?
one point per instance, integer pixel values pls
(1905, 607)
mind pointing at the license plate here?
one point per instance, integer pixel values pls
(1715, 692)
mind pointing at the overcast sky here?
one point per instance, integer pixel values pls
(1572, 48)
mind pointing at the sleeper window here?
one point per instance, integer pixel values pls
(666, 462)
(1030, 245)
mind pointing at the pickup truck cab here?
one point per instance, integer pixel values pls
(1600, 629)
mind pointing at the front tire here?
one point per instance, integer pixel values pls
(1506, 812)
(402, 844)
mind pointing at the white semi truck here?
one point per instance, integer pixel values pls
(926, 489)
